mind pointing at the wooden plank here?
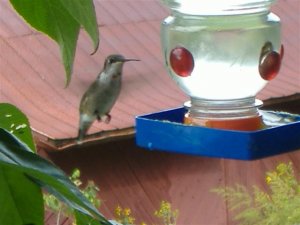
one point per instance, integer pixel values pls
(132, 177)
(139, 179)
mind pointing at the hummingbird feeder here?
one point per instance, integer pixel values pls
(221, 53)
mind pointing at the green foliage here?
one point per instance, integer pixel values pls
(280, 206)
(23, 173)
(164, 213)
(61, 209)
(14, 121)
(14, 124)
(124, 216)
(61, 21)
(15, 201)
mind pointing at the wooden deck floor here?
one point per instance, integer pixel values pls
(132, 177)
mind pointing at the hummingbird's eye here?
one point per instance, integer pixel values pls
(111, 61)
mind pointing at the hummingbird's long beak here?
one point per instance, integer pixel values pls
(127, 60)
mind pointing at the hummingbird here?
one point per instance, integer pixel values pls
(98, 100)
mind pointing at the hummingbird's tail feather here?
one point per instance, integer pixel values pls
(81, 134)
(84, 124)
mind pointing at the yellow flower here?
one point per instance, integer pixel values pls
(165, 208)
(268, 179)
(127, 212)
(118, 211)
(130, 220)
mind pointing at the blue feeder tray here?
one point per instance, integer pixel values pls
(165, 131)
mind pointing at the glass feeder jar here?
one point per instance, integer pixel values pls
(222, 53)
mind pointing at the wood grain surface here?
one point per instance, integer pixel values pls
(139, 179)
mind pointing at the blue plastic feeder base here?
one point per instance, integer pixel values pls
(165, 131)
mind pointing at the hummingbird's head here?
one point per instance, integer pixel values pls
(116, 61)
(113, 67)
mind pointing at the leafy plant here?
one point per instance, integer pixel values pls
(61, 209)
(280, 206)
(23, 173)
(164, 213)
(124, 216)
(61, 21)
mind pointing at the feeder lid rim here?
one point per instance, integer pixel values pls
(218, 7)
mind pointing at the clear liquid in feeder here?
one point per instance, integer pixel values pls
(222, 57)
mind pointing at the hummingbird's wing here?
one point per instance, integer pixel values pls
(87, 112)
(87, 103)
(84, 103)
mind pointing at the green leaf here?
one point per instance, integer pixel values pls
(14, 154)
(15, 122)
(84, 12)
(82, 219)
(16, 201)
(13, 183)
(61, 20)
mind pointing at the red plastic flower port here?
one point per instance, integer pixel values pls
(270, 62)
(182, 61)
